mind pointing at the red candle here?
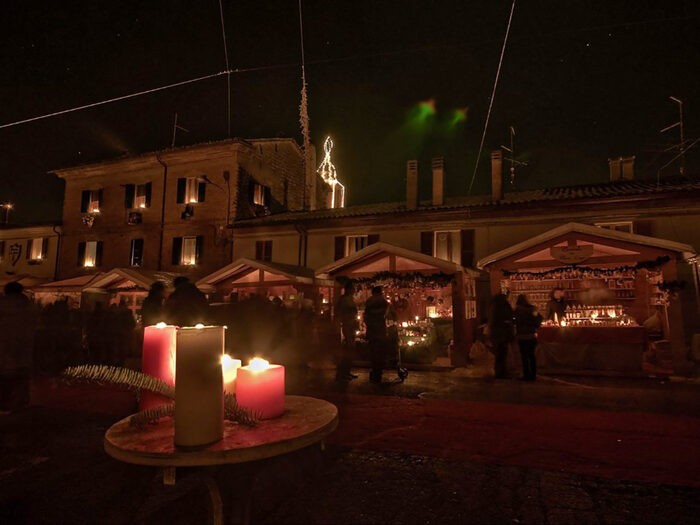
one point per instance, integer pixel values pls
(260, 388)
(158, 360)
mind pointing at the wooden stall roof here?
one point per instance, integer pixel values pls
(416, 261)
(294, 274)
(73, 284)
(139, 278)
(685, 250)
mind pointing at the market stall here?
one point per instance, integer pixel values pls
(70, 289)
(433, 301)
(615, 295)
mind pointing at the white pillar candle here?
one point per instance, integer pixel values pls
(230, 367)
(260, 388)
(199, 395)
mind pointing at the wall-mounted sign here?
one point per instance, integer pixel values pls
(571, 254)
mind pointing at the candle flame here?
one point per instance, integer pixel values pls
(161, 325)
(199, 325)
(563, 322)
(229, 367)
(258, 364)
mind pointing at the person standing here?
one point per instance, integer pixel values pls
(152, 310)
(346, 316)
(186, 306)
(556, 305)
(375, 321)
(500, 332)
(527, 321)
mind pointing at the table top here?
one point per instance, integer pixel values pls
(306, 420)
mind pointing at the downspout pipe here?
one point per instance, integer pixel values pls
(301, 256)
(162, 212)
(58, 252)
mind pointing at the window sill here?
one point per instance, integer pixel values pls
(35, 262)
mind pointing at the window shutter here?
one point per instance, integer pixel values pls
(81, 254)
(426, 243)
(181, 189)
(177, 250)
(29, 249)
(129, 192)
(268, 196)
(148, 195)
(99, 199)
(268, 251)
(44, 247)
(198, 249)
(201, 191)
(372, 238)
(259, 250)
(467, 248)
(339, 247)
(84, 201)
(98, 254)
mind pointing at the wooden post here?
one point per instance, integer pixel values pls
(460, 350)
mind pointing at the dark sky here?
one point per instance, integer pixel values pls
(581, 81)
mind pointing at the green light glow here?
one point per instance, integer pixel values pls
(458, 115)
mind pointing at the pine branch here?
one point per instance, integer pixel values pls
(144, 417)
(234, 412)
(119, 376)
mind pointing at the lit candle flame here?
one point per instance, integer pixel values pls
(258, 364)
(162, 324)
(229, 367)
(199, 325)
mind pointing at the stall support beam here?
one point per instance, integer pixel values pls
(462, 339)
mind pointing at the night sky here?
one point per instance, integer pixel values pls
(581, 81)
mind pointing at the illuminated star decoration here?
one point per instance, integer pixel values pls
(328, 173)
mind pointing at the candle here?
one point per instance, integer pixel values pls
(158, 360)
(230, 367)
(260, 388)
(199, 396)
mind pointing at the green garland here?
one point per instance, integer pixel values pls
(592, 272)
(400, 280)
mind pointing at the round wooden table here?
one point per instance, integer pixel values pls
(306, 421)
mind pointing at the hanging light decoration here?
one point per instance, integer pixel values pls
(329, 175)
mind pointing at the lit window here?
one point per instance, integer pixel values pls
(259, 195)
(140, 199)
(447, 246)
(94, 202)
(189, 251)
(36, 250)
(90, 260)
(354, 243)
(191, 190)
(621, 226)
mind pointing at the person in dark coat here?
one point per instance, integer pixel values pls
(500, 332)
(186, 306)
(17, 323)
(527, 321)
(556, 305)
(152, 311)
(375, 321)
(346, 316)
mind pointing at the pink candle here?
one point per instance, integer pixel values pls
(260, 388)
(230, 367)
(158, 360)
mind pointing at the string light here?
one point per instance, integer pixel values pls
(330, 176)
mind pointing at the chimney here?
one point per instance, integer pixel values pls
(412, 185)
(438, 181)
(496, 175)
(621, 168)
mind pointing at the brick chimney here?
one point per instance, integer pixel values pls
(496, 175)
(438, 165)
(412, 185)
(621, 168)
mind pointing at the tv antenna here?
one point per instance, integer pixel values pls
(175, 128)
(679, 124)
(511, 151)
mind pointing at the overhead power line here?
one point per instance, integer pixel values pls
(228, 71)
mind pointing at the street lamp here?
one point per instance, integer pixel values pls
(7, 207)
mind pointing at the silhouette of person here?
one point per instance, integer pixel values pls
(346, 315)
(500, 332)
(152, 310)
(375, 321)
(187, 305)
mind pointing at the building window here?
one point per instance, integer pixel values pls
(260, 194)
(447, 246)
(91, 201)
(190, 190)
(136, 252)
(90, 254)
(621, 226)
(263, 250)
(187, 251)
(354, 243)
(36, 249)
(137, 196)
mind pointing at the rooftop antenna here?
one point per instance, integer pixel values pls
(678, 124)
(511, 152)
(175, 128)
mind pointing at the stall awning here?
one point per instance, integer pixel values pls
(382, 256)
(246, 270)
(607, 242)
(73, 284)
(129, 278)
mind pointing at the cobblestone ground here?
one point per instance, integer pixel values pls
(53, 470)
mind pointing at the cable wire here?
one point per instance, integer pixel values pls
(228, 71)
(493, 96)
